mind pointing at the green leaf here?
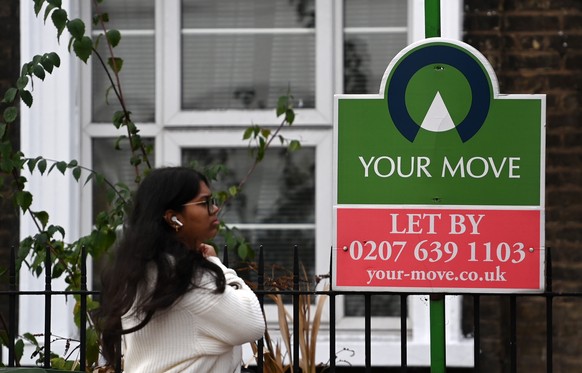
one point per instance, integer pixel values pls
(19, 349)
(31, 163)
(10, 114)
(77, 173)
(38, 70)
(24, 199)
(233, 191)
(10, 95)
(55, 3)
(118, 140)
(118, 118)
(247, 134)
(38, 6)
(115, 64)
(42, 216)
(31, 338)
(47, 64)
(54, 58)
(92, 345)
(282, 104)
(289, 116)
(294, 145)
(22, 82)
(26, 97)
(47, 11)
(42, 166)
(113, 36)
(62, 167)
(3, 127)
(83, 48)
(76, 27)
(59, 18)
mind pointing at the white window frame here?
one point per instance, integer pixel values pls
(174, 116)
(174, 129)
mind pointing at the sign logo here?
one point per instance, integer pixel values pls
(440, 58)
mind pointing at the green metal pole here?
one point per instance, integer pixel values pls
(432, 28)
(432, 18)
(438, 361)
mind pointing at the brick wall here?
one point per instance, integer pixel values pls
(535, 46)
(9, 71)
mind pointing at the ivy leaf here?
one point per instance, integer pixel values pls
(26, 97)
(59, 18)
(39, 71)
(10, 95)
(10, 114)
(83, 48)
(115, 63)
(76, 27)
(114, 36)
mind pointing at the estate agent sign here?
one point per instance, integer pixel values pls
(439, 179)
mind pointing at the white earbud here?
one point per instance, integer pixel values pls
(175, 220)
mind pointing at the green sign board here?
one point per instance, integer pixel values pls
(440, 139)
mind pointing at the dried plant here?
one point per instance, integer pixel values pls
(277, 359)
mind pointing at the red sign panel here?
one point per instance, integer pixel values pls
(438, 250)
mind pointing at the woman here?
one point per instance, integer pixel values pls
(177, 306)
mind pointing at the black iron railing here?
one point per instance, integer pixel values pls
(12, 294)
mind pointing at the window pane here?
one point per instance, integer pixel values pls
(245, 55)
(281, 189)
(366, 57)
(370, 41)
(129, 14)
(280, 192)
(247, 71)
(380, 305)
(248, 14)
(375, 13)
(135, 20)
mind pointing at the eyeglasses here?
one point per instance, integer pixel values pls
(209, 201)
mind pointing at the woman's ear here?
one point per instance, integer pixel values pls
(173, 219)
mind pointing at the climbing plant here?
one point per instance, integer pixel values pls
(14, 164)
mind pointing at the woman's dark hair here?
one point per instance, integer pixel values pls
(149, 241)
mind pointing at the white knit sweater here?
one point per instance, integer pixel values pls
(202, 332)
